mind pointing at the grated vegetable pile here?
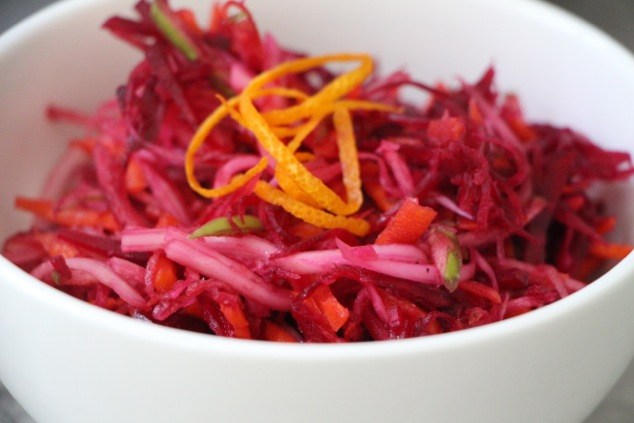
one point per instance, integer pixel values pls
(236, 187)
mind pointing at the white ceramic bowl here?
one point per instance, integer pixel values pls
(66, 361)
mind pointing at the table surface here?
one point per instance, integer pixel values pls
(616, 17)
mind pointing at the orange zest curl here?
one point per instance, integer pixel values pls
(281, 132)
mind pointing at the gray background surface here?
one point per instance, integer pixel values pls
(616, 17)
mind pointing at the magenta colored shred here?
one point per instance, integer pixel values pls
(514, 194)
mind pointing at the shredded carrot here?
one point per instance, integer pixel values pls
(188, 17)
(238, 320)
(85, 217)
(135, 181)
(162, 272)
(516, 311)
(575, 202)
(40, 208)
(56, 246)
(280, 132)
(589, 267)
(84, 144)
(194, 309)
(408, 224)
(466, 224)
(334, 312)
(605, 225)
(481, 290)
(71, 216)
(305, 230)
(373, 187)
(376, 191)
(610, 250)
(474, 112)
(276, 333)
(165, 220)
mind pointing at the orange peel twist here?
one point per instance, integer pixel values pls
(300, 193)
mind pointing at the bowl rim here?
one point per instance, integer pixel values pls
(126, 326)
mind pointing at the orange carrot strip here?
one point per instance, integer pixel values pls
(335, 313)
(238, 320)
(88, 218)
(481, 290)
(276, 333)
(40, 208)
(610, 250)
(408, 224)
(162, 272)
(606, 225)
(55, 246)
(135, 180)
(72, 216)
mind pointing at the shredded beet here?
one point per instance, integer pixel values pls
(504, 222)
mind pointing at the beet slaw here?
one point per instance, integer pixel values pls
(469, 214)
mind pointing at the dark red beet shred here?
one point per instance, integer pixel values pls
(113, 225)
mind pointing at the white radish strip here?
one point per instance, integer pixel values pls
(102, 273)
(134, 240)
(312, 262)
(201, 258)
(245, 246)
(108, 277)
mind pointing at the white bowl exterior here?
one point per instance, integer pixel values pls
(66, 361)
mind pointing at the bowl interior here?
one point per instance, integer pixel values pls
(564, 72)
(62, 56)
